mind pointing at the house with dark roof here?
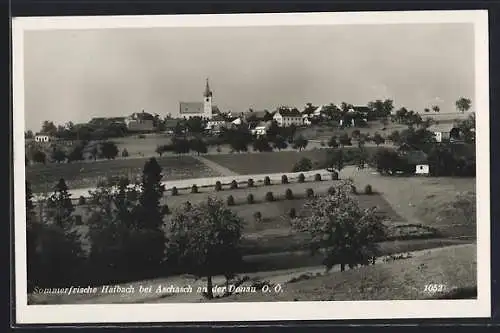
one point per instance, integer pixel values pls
(286, 117)
(140, 122)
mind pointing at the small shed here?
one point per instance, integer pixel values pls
(418, 160)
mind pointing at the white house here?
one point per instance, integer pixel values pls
(216, 121)
(43, 138)
(288, 117)
(306, 120)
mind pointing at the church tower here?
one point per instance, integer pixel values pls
(207, 102)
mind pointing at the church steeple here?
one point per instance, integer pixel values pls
(208, 92)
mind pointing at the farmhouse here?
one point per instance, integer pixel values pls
(288, 117)
(204, 110)
(140, 122)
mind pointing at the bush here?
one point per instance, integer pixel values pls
(335, 175)
(317, 177)
(289, 194)
(141, 136)
(167, 210)
(284, 179)
(302, 178)
(230, 200)
(194, 189)
(218, 186)
(292, 213)
(269, 196)
(250, 182)
(368, 189)
(354, 190)
(175, 191)
(125, 152)
(82, 200)
(331, 190)
(250, 198)
(267, 181)
(234, 184)
(304, 164)
(257, 216)
(309, 192)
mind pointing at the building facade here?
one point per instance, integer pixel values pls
(288, 117)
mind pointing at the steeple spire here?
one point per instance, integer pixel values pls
(208, 92)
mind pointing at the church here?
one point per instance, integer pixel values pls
(205, 109)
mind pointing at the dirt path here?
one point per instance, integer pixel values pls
(216, 167)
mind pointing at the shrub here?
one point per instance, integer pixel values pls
(292, 213)
(257, 216)
(302, 178)
(309, 192)
(317, 177)
(269, 196)
(218, 186)
(304, 164)
(141, 136)
(250, 198)
(230, 200)
(194, 189)
(234, 184)
(368, 189)
(175, 191)
(250, 182)
(331, 190)
(335, 175)
(289, 194)
(267, 181)
(167, 210)
(82, 200)
(284, 179)
(125, 152)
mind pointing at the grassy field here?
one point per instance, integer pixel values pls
(283, 161)
(142, 146)
(88, 174)
(454, 267)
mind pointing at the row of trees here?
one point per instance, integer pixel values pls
(58, 154)
(128, 237)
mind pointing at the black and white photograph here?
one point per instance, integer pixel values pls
(251, 167)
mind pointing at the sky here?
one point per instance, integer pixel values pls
(74, 75)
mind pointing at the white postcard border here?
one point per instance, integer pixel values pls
(257, 311)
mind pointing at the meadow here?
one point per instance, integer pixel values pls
(87, 174)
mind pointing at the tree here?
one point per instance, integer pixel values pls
(378, 139)
(195, 125)
(345, 140)
(200, 235)
(150, 212)
(49, 128)
(160, 149)
(394, 137)
(463, 104)
(300, 143)
(436, 108)
(125, 152)
(427, 110)
(333, 142)
(60, 207)
(28, 134)
(341, 230)
(280, 142)
(198, 145)
(94, 152)
(386, 161)
(58, 155)
(39, 157)
(262, 144)
(109, 150)
(468, 128)
(335, 160)
(76, 154)
(180, 145)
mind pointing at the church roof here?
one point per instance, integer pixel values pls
(190, 107)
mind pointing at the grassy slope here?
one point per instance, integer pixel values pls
(455, 267)
(87, 174)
